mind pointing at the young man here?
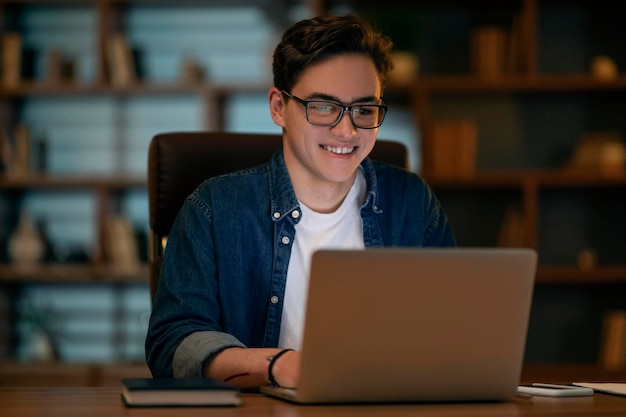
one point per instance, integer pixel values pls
(231, 297)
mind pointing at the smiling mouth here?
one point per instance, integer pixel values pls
(339, 150)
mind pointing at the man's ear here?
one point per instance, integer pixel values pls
(277, 106)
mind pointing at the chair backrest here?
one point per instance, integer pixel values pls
(179, 161)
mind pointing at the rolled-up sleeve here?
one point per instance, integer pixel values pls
(196, 348)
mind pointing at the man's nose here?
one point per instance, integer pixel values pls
(344, 128)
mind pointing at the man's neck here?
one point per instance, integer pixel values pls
(321, 196)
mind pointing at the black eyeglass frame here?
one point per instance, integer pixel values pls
(306, 104)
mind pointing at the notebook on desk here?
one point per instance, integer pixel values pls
(414, 325)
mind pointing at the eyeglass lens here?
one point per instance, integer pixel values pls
(364, 116)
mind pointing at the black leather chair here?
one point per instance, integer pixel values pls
(179, 161)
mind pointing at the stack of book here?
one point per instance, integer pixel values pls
(496, 51)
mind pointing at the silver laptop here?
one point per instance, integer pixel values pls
(414, 325)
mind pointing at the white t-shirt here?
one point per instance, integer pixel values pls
(340, 229)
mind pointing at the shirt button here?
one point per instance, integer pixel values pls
(285, 240)
(274, 299)
(295, 214)
(276, 215)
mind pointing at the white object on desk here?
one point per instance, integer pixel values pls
(555, 390)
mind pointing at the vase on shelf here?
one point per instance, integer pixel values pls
(26, 245)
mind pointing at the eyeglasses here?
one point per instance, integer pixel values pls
(329, 114)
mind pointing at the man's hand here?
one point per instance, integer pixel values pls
(286, 369)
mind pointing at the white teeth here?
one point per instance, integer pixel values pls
(339, 150)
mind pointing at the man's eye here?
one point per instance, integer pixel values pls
(323, 107)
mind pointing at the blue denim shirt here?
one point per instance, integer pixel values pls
(225, 265)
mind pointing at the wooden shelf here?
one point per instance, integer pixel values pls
(59, 374)
(535, 178)
(69, 274)
(69, 90)
(459, 84)
(70, 181)
(452, 84)
(573, 274)
(144, 87)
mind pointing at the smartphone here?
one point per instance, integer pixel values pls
(555, 390)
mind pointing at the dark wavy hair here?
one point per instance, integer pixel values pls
(313, 40)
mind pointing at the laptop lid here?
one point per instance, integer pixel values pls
(396, 325)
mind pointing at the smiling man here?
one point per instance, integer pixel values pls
(232, 294)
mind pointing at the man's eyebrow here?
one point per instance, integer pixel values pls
(327, 97)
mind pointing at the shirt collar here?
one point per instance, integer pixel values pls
(283, 198)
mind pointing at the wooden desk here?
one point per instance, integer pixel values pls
(105, 402)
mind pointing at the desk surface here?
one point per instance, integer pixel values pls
(105, 402)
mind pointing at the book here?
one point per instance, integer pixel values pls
(514, 59)
(454, 148)
(443, 148)
(21, 152)
(613, 343)
(178, 392)
(512, 232)
(6, 153)
(489, 51)
(11, 59)
(7, 338)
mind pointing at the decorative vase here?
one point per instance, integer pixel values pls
(26, 245)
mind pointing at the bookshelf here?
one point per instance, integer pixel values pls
(528, 119)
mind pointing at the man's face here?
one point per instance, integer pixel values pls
(315, 155)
